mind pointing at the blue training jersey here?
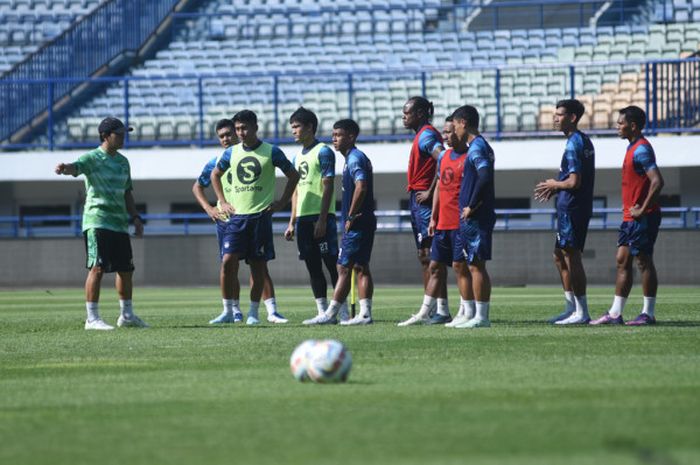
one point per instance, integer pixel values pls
(204, 179)
(358, 168)
(479, 173)
(579, 158)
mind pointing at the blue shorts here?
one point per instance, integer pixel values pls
(249, 236)
(447, 247)
(640, 235)
(308, 246)
(356, 247)
(572, 228)
(476, 237)
(220, 232)
(420, 220)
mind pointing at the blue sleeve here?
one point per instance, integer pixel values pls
(484, 177)
(439, 162)
(326, 157)
(356, 169)
(573, 154)
(225, 160)
(428, 142)
(644, 157)
(204, 179)
(479, 158)
(279, 159)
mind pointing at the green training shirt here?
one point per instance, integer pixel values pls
(107, 179)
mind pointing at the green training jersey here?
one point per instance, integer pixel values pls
(107, 179)
(250, 180)
(310, 187)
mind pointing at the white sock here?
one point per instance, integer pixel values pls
(321, 305)
(482, 310)
(344, 307)
(253, 311)
(229, 304)
(581, 306)
(570, 304)
(617, 306)
(470, 308)
(649, 304)
(442, 307)
(333, 309)
(126, 308)
(366, 308)
(428, 305)
(93, 310)
(271, 305)
(462, 305)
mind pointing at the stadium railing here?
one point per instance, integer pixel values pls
(671, 99)
(387, 221)
(114, 28)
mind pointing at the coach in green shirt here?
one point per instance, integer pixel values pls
(109, 204)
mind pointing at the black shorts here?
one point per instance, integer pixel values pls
(108, 250)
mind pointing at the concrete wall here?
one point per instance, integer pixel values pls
(520, 257)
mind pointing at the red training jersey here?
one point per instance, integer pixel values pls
(421, 169)
(635, 186)
(451, 172)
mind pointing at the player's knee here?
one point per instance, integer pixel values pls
(644, 263)
(434, 268)
(97, 272)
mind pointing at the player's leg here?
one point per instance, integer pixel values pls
(565, 276)
(268, 297)
(623, 286)
(647, 229)
(124, 283)
(365, 291)
(481, 284)
(93, 281)
(467, 307)
(574, 262)
(340, 293)
(258, 268)
(438, 275)
(230, 289)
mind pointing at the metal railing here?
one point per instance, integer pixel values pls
(671, 98)
(114, 28)
(387, 221)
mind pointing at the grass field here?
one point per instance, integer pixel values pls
(182, 392)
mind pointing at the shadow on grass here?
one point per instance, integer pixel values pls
(644, 454)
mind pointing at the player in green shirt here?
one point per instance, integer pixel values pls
(109, 204)
(244, 182)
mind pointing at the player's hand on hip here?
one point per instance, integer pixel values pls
(213, 213)
(636, 211)
(423, 196)
(274, 207)
(466, 213)
(227, 208)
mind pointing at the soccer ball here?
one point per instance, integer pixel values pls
(329, 362)
(299, 360)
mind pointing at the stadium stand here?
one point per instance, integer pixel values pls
(292, 52)
(26, 24)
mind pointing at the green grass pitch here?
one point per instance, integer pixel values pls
(183, 392)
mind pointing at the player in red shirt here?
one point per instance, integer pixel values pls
(427, 146)
(641, 217)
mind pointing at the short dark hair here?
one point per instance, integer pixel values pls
(467, 113)
(573, 107)
(305, 117)
(449, 119)
(424, 105)
(348, 125)
(245, 116)
(634, 114)
(224, 123)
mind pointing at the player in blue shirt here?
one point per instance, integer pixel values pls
(248, 171)
(359, 227)
(313, 219)
(478, 215)
(574, 204)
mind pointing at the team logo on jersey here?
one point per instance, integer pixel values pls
(447, 176)
(303, 170)
(248, 170)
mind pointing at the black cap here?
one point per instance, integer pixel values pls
(111, 124)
